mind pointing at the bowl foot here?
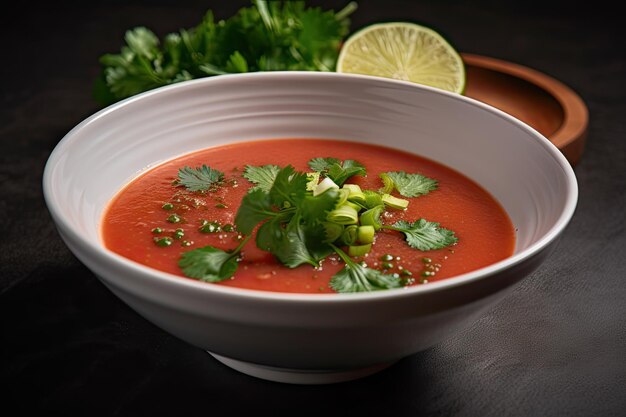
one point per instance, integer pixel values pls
(299, 376)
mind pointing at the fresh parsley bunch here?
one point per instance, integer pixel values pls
(267, 36)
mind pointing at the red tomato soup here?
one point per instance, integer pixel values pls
(152, 207)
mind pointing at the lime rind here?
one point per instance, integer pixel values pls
(403, 51)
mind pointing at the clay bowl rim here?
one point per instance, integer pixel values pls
(575, 112)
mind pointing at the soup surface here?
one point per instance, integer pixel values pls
(154, 220)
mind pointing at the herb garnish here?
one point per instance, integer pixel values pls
(210, 264)
(424, 235)
(303, 223)
(267, 36)
(408, 185)
(262, 176)
(336, 170)
(199, 179)
(355, 277)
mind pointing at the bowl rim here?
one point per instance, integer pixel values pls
(109, 256)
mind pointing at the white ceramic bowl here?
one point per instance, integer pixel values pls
(308, 338)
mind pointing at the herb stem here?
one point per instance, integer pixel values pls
(242, 244)
(344, 257)
(346, 11)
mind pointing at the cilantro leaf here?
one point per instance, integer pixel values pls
(408, 185)
(293, 250)
(303, 240)
(255, 207)
(337, 170)
(314, 210)
(289, 187)
(355, 277)
(424, 235)
(199, 179)
(316, 241)
(209, 264)
(340, 173)
(323, 164)
(269, 235)
(288, 244)
(262, 176)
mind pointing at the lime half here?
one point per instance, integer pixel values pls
(403, 51)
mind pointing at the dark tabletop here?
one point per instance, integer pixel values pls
(556, 346)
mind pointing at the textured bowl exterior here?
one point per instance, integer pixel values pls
(524, 171)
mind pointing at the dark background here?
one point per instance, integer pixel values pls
(556, 346)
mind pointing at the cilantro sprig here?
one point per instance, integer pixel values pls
(408, 185)
(302, 220)
(355, 277)
(424, 235)
(337, 170)
(262, 176)
(210, 264)
(267, 36)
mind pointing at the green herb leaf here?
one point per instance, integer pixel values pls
(209, 264)
(289, 187)
(323, 164)
(409, 185)
(199, 179)
(355, 277)
(314, 210)
(424, 235)
(288, 244)
(255, 207)
(337, 170)
(262, 176)
(267, 36)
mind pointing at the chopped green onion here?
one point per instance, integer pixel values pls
(168, 206)
(372, 217)
(312, 179)
(355, 206)
(349, 235)
(356, 195)
(365, 234)
(359, 250)
(343, 197)
(352, 187)
(344, 215)
(372, 199)
(395, 202)
(326, 184)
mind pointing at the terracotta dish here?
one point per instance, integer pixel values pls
(544, 103)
